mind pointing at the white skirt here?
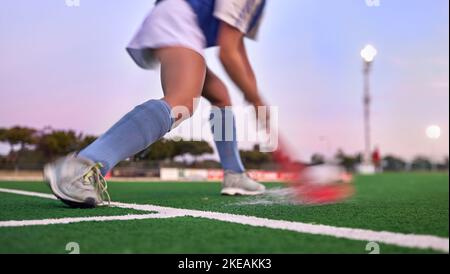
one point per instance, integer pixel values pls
(170, 23)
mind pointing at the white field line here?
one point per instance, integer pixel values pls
(28, 193)
(84, 219)
(399, 239)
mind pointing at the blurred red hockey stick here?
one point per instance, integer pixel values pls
(313, 185)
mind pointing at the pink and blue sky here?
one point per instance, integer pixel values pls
(67, 68)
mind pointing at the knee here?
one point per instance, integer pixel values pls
(183, 108)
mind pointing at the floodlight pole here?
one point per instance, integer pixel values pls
(367, 115)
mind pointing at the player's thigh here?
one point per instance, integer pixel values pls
(182, 75)
(215, 91)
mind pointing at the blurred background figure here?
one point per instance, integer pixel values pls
(376, 159)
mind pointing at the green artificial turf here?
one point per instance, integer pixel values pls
(407, 203)
(179, 235)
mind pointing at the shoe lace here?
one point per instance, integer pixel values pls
(95, 177)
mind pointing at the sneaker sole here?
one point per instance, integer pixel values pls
(50, 178)
(241, 192)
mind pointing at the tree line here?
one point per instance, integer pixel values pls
(31, 149)
(389, 163)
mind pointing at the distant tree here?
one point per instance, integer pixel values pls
(393, 163)
(14, 136)
(317, 159)
(349, 162)
(255, 159)
(201, 148)
(193, 148)
(421, 163)
(159, 151)
(3, 137)
(2, 134)
(167, 149)
(208, 164)
(18, 136)
(59, 143)
(85, 141)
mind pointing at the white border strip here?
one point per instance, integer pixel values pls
(399, 239)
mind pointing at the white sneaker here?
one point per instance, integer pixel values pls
(240, 184)
(77, 182)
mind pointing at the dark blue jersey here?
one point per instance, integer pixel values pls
(242, 14)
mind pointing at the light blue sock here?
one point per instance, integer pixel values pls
(224, 132)
(135, 132)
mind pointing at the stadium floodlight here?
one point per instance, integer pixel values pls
(434, 132)
(368, 54)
